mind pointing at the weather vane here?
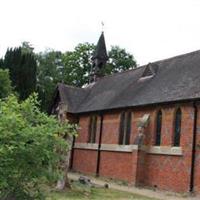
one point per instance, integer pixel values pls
(102, 26)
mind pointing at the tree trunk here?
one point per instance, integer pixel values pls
(64, 183)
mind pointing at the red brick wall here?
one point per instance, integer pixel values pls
(197, 159)
(116, 165)
(111, 128)
(171, 172)
(83, 129)
(167, 172)
(85, 161)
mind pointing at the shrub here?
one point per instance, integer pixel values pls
(30, 142)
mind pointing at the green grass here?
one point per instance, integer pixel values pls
(80, 191)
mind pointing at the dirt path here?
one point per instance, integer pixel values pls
(141, 191)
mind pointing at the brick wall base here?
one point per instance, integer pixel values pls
(168, 171)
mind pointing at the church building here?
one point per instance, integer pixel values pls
(141, 126)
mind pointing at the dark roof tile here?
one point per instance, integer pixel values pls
(176, 79)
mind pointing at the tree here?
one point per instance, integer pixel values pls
(78, 64)
(49, 73)
(119, 60)
(30, 146)
(1, 63)
(22, 67)
(5, 83)
(27, 47)
(74, 67)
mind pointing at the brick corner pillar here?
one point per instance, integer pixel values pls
(139, 155)
(135, 155)
(138, 160)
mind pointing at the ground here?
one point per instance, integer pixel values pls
(80, 191)
(143, 193)
(117, 190)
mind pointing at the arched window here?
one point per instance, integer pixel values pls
(92, 129)
(177, 127)
(125, 128)
(158, 128)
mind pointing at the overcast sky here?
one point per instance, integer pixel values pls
(149, 29)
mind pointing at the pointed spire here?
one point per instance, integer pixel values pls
(99, 58)
(100, 51)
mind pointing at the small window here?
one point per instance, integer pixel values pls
(158, 128)
(92, 129)
(125, 128)
(177, 128)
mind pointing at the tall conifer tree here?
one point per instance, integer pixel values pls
(22, 67)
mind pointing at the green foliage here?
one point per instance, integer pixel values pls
(119, 60)
(1, 63)
(74, 67)
(30, 146)
(77, 64)
(49, 73)
(22, 67)
(5, 83)
(26, 47)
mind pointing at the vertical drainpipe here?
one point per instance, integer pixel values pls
(99, 145)
(193, 148)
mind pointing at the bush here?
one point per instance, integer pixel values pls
(5, 83)
(30, 142)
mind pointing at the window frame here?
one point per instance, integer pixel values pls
(177, 127)
(92, 129)
(158, 134)
(125, 128)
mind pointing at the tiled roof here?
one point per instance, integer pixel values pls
(175, 79)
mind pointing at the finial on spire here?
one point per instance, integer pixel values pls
(102, 26)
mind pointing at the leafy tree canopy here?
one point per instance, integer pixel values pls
(49, 73)
(74, 67)
(5, 83)
(30, 146)
(119, 60)
(26, 47)
(71, 67)
(78, 64)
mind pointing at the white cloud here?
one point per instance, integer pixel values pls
(150, 29)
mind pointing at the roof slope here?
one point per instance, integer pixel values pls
(72, 96)
(176, 78)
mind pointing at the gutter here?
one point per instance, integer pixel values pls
(193, 148)
(137, 106)
(99, 146)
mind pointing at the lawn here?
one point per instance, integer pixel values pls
(80, 191)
